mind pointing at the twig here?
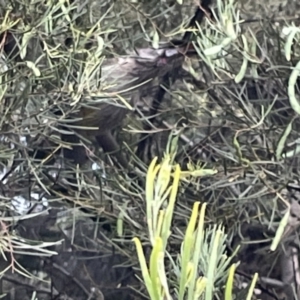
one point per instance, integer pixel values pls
(201, 11)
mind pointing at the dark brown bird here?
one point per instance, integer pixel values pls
(127, 78)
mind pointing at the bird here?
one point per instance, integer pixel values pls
(125, 77)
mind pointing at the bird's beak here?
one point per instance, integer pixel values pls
(188, 49)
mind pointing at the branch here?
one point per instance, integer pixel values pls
(201, 11)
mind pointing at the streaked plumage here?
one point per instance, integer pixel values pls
(129, 77)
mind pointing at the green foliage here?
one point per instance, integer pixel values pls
(202, 250)
(220, 194)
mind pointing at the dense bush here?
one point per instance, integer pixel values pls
(207, 207)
